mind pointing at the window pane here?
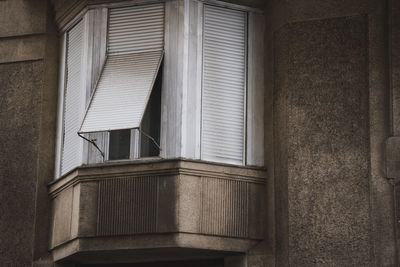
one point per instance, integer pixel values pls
(119, 144)
(151, 121)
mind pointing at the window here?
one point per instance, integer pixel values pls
(174, 79)
(134, 53)
(119, 144)
(71, 145)
(224, 86)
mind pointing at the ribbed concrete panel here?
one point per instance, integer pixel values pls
(127, 205)
(136, 29)
(224, 75)
(224, 207)
(73, 97)
(122, 92)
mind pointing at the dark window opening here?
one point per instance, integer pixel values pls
(119, 147)
(151, 121)
(143, 143)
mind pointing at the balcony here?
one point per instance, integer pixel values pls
(158, 209)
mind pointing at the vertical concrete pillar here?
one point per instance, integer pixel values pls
(333, 203)
(28, 74)
(393, 143)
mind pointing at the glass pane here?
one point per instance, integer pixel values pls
(151, 121)
(119, 147)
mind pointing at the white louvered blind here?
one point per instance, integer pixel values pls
(136, 29)
(72, 148)
(224, 75)
(135, 49)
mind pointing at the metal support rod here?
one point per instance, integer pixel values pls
(150, 137)
(93, 142)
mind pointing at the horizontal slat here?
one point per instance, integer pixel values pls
(220, 69)
(228, 125)
(220, 12)
(139, 34)
(122, 92)
(220, 77)
(134, 26)
(226, 148)
(233, 114)
(223, 100)
(219, 94)
(138, 9)
(229, 26)
(136, 29)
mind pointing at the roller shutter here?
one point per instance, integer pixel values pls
(224, 83)
(135, 50)
(72, 144)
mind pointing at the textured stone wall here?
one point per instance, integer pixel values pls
(28, 74)
(329, 69)
(19, 131)
(322, 77)
(394, 53)
(393, 147)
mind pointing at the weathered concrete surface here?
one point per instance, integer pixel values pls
(322, 123)
(22, 17)
(30, 47)
(46, 145)
(393, 143)
(394, 53)
(153, 198)
(379, 205)
(28, 75)
(393, 158)
(19, 132)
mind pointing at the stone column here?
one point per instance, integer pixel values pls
(334, 205)
(393, 142)
(28, 96)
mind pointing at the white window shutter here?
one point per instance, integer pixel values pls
(224, 85)
(135, 50)
(71, 148)
(136, 29)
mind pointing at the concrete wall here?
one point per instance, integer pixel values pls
(393, 144)
(321, 119)
(329, 70)
(332, 76)
(28, 71)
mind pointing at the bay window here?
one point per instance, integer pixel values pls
(174, 79)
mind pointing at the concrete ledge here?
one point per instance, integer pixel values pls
(157, 204)
(22, 48)
(157, 166)
(171, 246)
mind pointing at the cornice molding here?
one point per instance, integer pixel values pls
(161, 167)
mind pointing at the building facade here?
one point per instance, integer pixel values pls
(199, 133)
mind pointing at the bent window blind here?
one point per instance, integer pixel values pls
(224, 80)
(71, 147)
(134, 53)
